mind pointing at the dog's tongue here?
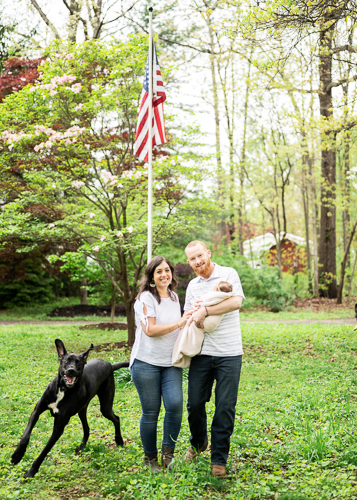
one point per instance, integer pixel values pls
(70, 380)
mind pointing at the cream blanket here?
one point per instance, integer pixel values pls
(190, 339)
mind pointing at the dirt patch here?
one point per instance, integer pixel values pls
(319, 304)
(111, 346)
(82, 310)
(118, 325)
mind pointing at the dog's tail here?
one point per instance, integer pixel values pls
(117, 366)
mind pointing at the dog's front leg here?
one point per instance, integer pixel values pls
(58, 428)
(24, 441)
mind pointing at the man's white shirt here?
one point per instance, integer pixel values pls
(226, 339)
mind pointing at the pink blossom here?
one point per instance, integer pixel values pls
(53, 92)
(102, 238)
(69, 56)
(96, 248)
(76, 88)
(128, 173)
(130, 229)
(48, 144)
(87, 146)
(119, 233)
(91, 215)
(146, 165)
(51, 226)
(97, 103)
(138, 174)
(77, 184)
(79, 106)
(60, 80)
(109, 177)
(54, 186)
(33, 88)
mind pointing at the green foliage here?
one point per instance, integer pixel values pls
(30, 282)
(70, 139)
(261, 285)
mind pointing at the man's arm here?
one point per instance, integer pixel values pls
(226, 306)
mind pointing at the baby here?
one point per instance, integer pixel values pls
(212, 323)
(190, 339)
(222, 286)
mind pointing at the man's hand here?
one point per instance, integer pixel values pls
(198, 317)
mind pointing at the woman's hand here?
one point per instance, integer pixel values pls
(182, 322)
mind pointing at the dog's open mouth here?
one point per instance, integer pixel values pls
(69, 381)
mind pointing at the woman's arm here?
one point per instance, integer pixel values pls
(154, 330)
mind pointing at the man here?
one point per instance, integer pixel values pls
(220, 359)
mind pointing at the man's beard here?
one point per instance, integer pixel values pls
(202, 270)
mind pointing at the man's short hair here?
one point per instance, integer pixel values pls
(194, 243)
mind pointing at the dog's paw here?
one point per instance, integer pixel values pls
(30, 473)
(17, 456)
(119, 441)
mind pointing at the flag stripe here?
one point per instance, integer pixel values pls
(141, 146)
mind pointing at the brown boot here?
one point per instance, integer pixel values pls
(167, 457)
(192, 453)
(218, 471)
(151, 460)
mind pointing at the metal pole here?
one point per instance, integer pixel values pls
(150, 137)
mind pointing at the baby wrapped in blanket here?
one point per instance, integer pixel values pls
(190, 339)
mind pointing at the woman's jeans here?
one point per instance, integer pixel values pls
(203, 371)
(152, 382)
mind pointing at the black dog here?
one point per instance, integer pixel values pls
(70, 393)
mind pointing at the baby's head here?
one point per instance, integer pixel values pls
(223, 286)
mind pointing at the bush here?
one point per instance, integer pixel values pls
(184, 274)
(24, 281)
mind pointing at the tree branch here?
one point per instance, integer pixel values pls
(331, 85)
(45, 18)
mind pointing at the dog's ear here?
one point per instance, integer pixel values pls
(61, 350)
(84, 355)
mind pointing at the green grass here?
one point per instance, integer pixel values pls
(294, 436)
(293, 313)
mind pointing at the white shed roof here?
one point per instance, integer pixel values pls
(262, 243)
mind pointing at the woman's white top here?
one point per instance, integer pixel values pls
(155, 350)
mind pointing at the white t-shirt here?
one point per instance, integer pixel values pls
(226, 339)
(155, 350)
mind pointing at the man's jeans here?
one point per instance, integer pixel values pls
(152, 382)
(203, 371)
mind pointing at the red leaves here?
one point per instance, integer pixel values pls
(17, 74)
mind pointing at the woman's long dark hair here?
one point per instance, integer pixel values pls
(149, 276)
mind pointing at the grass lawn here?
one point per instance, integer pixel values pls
(294, 437)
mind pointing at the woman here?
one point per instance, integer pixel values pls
(158, 322)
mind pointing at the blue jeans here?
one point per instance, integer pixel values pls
(203, 371)
(152, 382)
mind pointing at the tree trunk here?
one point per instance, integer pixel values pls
(346, 196)
(305, 199)
(343, 265)
(352, 274)
(83, 292)
(112, 309)
(216, 113)
(130, 317)
(243, 158)
(327, 243)
(314, 227)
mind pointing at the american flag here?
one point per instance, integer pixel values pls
(141, 146)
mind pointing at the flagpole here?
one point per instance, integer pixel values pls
(150, 137)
